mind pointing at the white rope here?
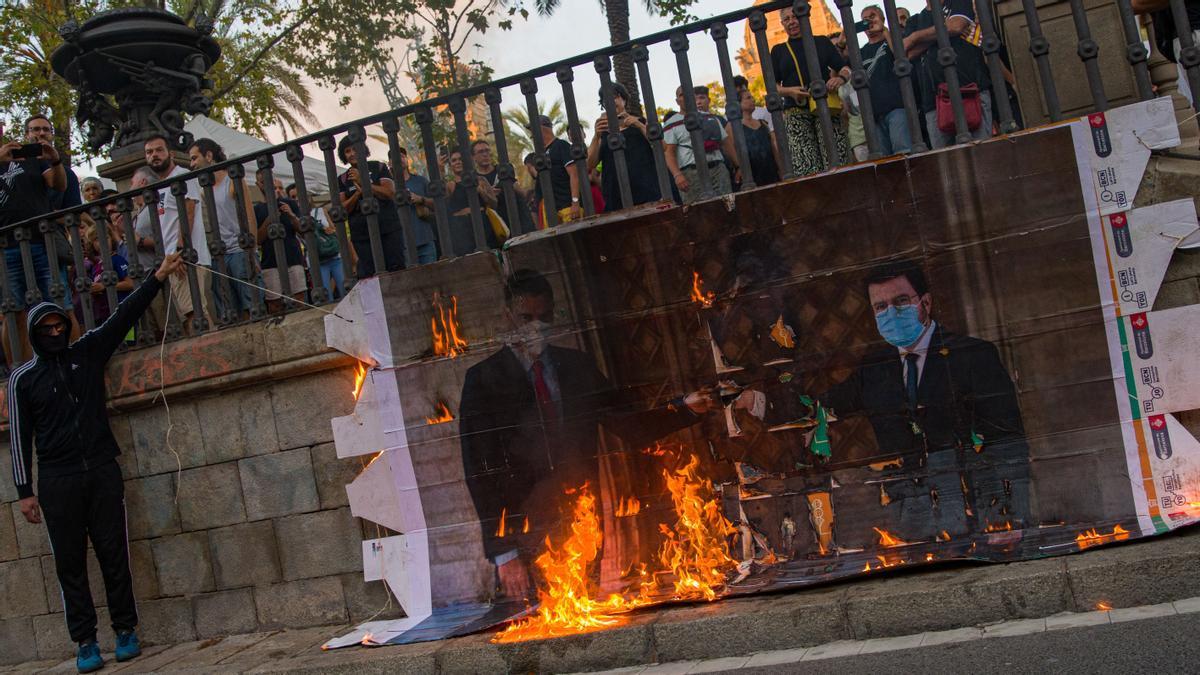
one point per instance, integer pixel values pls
(162, 385)
(270, 292)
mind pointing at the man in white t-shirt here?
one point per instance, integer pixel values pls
(159, 159)
(681, 159)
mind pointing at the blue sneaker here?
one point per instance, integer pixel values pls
(128, 646)
(87, 659)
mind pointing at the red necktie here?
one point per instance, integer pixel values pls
(542, 391)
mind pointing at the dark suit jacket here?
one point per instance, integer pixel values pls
(516, 461)
(963, 388)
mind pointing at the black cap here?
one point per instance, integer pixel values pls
(544, 120)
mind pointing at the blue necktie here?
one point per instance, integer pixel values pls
(910, 381)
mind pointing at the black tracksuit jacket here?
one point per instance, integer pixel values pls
(58, 400)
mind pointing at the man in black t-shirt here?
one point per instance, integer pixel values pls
(384, 190)
(565, 178)
(920, 43)
(886, 103)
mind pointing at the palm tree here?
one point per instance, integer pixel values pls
(617, 13)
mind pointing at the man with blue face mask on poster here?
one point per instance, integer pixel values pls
(945, 406)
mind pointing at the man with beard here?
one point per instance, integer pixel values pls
(56, 402)
(178, 227)
(529, 428)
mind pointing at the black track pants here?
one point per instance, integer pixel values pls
(84, 506)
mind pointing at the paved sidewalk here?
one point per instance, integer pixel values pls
(959, 596)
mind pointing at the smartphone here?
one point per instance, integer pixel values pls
(862, 26)
(28, 151)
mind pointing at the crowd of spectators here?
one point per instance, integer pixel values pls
(34, 185)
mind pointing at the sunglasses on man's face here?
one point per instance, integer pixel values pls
(50, 328)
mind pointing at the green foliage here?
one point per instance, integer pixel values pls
(272, 52)
(28, 33)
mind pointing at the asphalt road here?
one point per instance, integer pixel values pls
(1164, 645)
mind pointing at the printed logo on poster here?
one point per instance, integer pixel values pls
(1122, 239)
(1141, 335)
(1101, 141)
(1162, 439)
(1107, 182)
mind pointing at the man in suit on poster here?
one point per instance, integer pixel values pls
(529, 427)
(943, 404)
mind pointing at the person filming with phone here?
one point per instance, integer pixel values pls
(27, 175)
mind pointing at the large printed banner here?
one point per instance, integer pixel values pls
(957, 355)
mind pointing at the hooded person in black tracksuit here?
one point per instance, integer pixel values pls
(56, 401)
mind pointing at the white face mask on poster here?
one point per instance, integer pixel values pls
(531, 338)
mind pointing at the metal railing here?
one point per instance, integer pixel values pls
(680, 41)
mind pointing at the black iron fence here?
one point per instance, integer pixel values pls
(375, 237)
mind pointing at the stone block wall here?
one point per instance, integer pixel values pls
(240, 523)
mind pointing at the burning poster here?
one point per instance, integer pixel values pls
(793, 388)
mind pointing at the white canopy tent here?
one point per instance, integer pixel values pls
(238, 144)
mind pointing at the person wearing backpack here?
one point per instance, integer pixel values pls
(920, 44)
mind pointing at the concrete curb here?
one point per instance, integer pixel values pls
(958, 596)
(1140, 573)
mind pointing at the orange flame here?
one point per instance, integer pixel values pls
(928, 557)
(698, 294)
(360, 376)
(886, 562)
(501, 530)
(1092, 538)
(367, 639)
(943, 536)
(866, 567)
(565, 605)
(1103, 606)
(889, 540)
(525, 527)
(629, 506)
(444, 327)
(1006, 526)
(441, 415)
(697, 548)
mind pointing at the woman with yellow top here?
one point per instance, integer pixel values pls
(803, 124)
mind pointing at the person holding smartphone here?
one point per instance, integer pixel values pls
(27, 175)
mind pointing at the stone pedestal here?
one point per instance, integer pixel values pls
(1073, 94)
(1164, 75)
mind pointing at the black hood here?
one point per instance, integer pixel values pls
(39, 312)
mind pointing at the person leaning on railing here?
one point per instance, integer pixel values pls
(800, 111)
(682, 159)
(920, 44)
(293, 263)
(25, 185)
(639, 155)
(458, 203)
(878, 60)
(350, 185)
(765, 164)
